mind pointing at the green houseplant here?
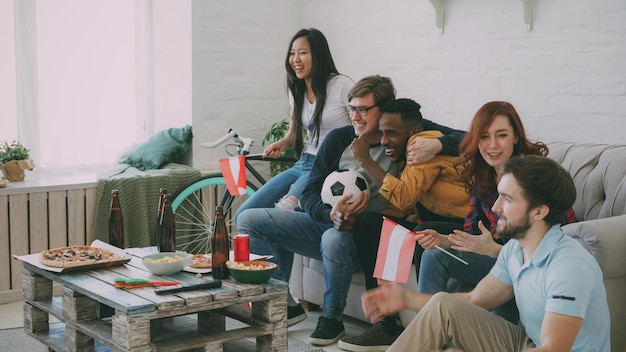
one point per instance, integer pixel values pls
(276, 132)
(14, 159)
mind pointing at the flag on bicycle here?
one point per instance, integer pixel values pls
(234, 172)
(395, 252)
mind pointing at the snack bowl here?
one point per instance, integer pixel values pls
(251, 271)
(166, 263)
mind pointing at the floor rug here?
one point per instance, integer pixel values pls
(16, 340)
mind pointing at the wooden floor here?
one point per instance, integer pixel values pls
(11, 316)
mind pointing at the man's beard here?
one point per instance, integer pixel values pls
(516, 231)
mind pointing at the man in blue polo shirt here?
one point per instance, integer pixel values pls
(556, 283)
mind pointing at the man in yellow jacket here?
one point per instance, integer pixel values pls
(434, 185)
(430, 192)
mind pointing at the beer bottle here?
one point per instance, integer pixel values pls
(116, 221)
(166, 234)
(162, 192)
(220, 246)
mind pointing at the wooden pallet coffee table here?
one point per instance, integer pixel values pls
(144, 321)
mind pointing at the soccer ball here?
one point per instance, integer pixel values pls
(338, 183)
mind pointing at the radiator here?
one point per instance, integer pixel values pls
(38, 219)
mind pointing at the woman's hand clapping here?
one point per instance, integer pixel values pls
(480, 244)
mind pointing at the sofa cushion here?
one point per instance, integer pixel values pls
(599, 173)
(603, 238)
(167, 146)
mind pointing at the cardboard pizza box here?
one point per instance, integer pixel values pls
(34, 259)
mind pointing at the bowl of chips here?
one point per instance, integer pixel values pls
(166, 263)
(251, 271)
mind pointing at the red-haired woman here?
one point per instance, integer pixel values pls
(496, 134)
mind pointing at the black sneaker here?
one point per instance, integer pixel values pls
(295, 314)
(327, 332)
(373, 339)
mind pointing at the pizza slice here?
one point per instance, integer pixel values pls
(200, 261)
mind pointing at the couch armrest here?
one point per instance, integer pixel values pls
(605, 239)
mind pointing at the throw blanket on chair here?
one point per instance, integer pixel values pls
(139, 196)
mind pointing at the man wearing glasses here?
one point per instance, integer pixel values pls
(323, 232)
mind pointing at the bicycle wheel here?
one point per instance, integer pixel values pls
(194, 209)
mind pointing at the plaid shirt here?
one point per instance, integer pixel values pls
(480, 209)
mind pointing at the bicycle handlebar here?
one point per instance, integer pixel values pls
(243, 147)
(263, 158)
(223, 139)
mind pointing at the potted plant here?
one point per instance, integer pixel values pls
(276, 133)
(14, 159)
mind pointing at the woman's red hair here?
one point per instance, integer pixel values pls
(479, 177)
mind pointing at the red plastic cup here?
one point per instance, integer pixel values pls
(241, 244)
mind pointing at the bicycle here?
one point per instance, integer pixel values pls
(194, 205)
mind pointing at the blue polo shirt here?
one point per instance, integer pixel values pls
(560, 277)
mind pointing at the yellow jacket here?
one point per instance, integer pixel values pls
(435, 184)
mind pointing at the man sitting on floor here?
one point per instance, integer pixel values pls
(556, 283)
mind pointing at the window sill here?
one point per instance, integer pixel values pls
(52, 179)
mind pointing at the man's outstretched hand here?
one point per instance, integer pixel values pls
(386, 299)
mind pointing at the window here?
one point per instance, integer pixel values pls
(82, 69)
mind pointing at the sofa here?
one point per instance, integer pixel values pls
(599, 173)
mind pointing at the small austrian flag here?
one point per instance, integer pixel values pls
(234, 172)
(395, 252)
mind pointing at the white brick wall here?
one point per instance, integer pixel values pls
(567, 76)
(238, 49)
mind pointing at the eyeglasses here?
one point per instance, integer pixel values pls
(362, 110)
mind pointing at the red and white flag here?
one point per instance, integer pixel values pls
(395, 252)
(234, 172)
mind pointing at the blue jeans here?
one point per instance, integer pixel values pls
(291, 181)
(282, 233)
(437, 267)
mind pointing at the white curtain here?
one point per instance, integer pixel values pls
(83, 77)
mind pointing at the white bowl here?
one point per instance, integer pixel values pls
(166, 268)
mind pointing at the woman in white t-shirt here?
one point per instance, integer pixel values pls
(318, 96)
